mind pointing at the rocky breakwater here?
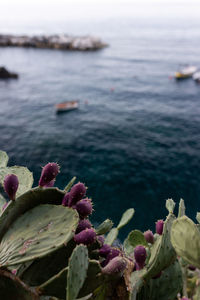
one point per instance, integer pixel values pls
(64, 42)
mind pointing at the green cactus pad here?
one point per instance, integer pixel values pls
(34, 275)
(3, 159)
(198, 217)
(170, 205)
(77, 272)
(126, 217)
(134, 238)
(12, 288)
(112, 235)
(93, 280)
(25, 178)
(2, 202)
(104, 227)
(36, 233)
(136, 283)
(162, 252)
(69, 185)
(167, 286)
(185, 238)
(27, 201)
(55, 286)
(181, 210)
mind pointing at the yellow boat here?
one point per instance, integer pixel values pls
(186, 72)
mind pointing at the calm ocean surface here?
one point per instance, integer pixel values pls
(135, 141)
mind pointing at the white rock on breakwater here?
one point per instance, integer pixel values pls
(64, 42)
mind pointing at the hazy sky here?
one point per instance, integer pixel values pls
(15, 10)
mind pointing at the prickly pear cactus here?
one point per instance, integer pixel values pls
(166, 287)
(134, 238)
(126, 217)
(3, 159)
(25, 177)
(104, 227)
(27, 201)
(69, 185)
(38, 232)
(77, 272)
(185, 238)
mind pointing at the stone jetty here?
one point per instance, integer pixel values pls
(62, 41)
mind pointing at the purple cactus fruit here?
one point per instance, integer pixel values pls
(86, 237)
(191, 267)
(49, 173)
(185, 298)
(101, 239)
(65, 199)
(116, 265)
(50, 184)
(77, 192)
(159, 226)
(148, 235)
(82, 225)
(84, 207)
(105, 250)
(140, 255)
(11, 184)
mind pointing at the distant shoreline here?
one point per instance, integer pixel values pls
(64, 42)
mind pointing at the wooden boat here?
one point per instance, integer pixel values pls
(186, 72)
(66, 106)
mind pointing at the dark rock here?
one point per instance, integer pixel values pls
(5, 74)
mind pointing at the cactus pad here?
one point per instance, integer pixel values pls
(37, 233)
(181, 210)
(77, 272)
(27, 201)
(25, 178)
(112, 235)
(126, 217)
(134, 238)
(170, 205)
(162, 252)
(185, 239)
(69, 185)
(3, 159)
(104, 227)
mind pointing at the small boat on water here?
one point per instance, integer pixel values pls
(196, 77)
(66, 106)
(186, 72)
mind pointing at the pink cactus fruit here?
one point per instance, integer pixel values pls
(82, 225)
(159, 226)
(50, 184)
(101, 240)
(140, 255)
(148, 235)
(84, 207)
(86, 237)
(11, 184)
(49, 173)
(77, 192)
(65, 200)
(115, 265)
(105, 250)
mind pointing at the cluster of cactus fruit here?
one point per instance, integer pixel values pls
(49, 248)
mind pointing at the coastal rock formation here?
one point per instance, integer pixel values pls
(64, 42)
(5, 74)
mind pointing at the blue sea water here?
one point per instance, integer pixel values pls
(135, 140)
